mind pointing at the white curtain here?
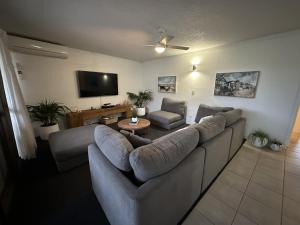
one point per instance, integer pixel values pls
(21, 123)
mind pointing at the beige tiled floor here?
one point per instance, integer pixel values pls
(257, 187)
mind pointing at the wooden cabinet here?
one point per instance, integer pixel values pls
(77, 119)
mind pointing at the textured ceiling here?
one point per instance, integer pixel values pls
(122, 28)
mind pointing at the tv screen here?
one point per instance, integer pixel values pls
(93, 84)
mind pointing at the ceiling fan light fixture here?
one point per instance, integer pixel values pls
(159, 49)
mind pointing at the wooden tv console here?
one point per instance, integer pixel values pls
(77, 119)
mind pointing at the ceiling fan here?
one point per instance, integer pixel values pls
(162, 44)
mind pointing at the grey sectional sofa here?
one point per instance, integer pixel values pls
(157, 184)
(171, 115)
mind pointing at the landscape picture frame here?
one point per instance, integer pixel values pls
(237, 84)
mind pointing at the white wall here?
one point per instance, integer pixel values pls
(277, 57)
(273, 109)
(53, 78)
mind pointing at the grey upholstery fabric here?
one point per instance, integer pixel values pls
(164, 117)
(114, 146)
(164, 154)
(69, 147)
(216, 156)
(231, 116)
(172, 114)
(210, 127)
(135, 140)
(174, 106)
(238, 135)
(167, 126)
(205, 110)
(173, 170)
(161, 200)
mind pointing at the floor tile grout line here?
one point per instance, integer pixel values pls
(244, 193)
(198, 211)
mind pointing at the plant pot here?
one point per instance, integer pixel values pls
(257, 141)
(45, 131)
(141, 111)
(276, 147)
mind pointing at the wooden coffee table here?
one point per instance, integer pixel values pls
(125, 124)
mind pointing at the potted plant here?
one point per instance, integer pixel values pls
(276, 145)
(259, 139)
(47, 112)
(140, 100)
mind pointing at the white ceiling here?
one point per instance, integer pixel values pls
(122, 27)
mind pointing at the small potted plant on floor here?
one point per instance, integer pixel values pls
(140, 100)
(259, 139)
(276, 145)
(47, 112)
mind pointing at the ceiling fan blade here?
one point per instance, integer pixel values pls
(165, 39)
(149, 45)
(178, 47)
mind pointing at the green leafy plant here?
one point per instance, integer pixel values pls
(47, 112)
(140, 99)
(261, 135)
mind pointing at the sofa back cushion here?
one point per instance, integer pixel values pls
(210, 127)
(231, 116)
(135, 140)
(170, 105)
(163, 154)
(114, 146)
(205, 110)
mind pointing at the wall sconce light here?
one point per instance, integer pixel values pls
(195, 68)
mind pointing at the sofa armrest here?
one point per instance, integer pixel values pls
(115, 193)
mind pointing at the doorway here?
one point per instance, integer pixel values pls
(295, 136)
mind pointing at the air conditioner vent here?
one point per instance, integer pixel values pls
(33, 47)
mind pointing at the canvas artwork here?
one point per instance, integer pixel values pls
(237, 84)
(167, 84)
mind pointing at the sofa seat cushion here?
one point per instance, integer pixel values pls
(205, 110)
(210, 127)
(135, 140)
(114, 146)
(174, 106)
(70, 143)
(164, 117)
(231, 116)
(163, 154)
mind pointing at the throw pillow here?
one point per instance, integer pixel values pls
(114, 146)
(205, 110)
(205, 118)
(135, 140)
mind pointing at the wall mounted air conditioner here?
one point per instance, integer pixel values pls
(33, 47)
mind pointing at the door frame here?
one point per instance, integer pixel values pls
(293, 115)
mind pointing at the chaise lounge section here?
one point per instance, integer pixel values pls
(69, 147)
(171, 115)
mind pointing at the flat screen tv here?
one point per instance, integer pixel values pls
(92, 84)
